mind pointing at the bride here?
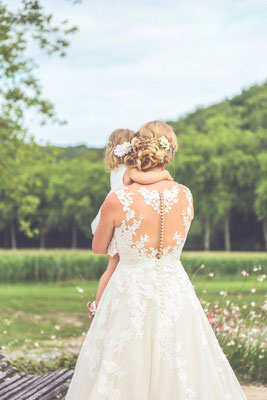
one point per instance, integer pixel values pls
(150, 338)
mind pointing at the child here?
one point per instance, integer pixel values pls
(120, 144)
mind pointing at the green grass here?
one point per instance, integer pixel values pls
(31, 311)
(42, 325)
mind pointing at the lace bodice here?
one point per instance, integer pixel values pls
(138, 236)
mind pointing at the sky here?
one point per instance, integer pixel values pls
(133, 61)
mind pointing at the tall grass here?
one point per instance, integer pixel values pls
(59, 265)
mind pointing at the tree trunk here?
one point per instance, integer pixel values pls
(6, 239)
(42, 238)
(227, 239)
(265, 231)
(13, 235)
(74, 236)
(207, 233)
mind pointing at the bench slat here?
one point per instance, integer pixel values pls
(25, 388)
(14, 388)
(52, 386)
(16, 385)
(4, 365)
(9, 381)
(56, 392)
(41, 385)
(34, 386)
(8, 373)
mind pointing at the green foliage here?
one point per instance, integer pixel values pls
(55, 266)
(222, 158)
(62, 265)
(20, 90)
(20, 87)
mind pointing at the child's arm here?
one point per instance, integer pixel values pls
(112, 264)
(133, 175)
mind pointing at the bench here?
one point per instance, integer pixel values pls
(16, 385)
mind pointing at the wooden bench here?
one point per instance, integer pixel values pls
(16, 385)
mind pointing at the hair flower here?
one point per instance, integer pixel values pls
(134, 140)
(122, 149)
(163, 141)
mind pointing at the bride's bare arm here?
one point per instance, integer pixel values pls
(105, 227)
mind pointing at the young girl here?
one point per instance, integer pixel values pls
(120, 144)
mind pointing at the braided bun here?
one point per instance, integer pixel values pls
(147, 151)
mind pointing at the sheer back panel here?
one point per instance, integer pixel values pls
(141, 227)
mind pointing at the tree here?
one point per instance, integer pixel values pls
(21, 90)
(78, 187)
(260, 200)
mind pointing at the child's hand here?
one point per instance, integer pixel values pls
(92, 308)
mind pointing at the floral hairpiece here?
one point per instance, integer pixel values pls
(125, 148)
(122, 149)
(163, 141)
(134, 140)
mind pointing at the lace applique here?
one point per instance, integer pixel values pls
(112, 247)
(106, 388)
(187, 214)
(151, 197)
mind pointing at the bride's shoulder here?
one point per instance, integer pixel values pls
(185, 189)
(111, 201)
(118, 196)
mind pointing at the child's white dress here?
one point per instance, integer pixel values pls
(116, 183)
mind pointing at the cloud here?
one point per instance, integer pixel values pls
(132, 62)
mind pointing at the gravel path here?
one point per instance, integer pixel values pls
(255, 392)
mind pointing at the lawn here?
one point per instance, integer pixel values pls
(46, 322)
(36, 312)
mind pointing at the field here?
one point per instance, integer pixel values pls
(45, 322)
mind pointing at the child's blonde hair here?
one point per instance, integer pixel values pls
(147, 151)
(119, 136)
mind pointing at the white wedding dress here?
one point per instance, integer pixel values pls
(150, 338)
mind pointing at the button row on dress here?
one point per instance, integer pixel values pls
(159, 254)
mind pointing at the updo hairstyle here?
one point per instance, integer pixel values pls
(147, 152)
